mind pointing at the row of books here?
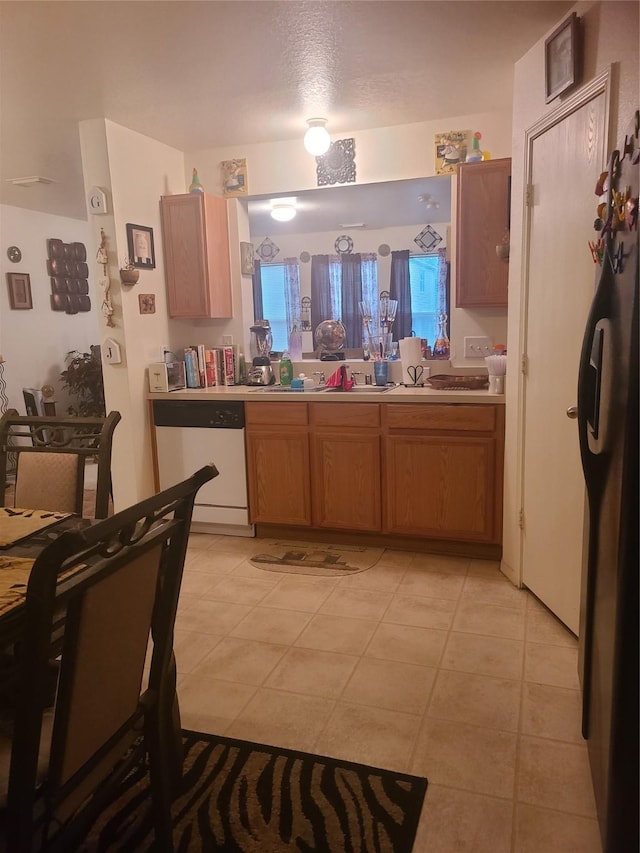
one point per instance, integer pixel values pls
(209, 366)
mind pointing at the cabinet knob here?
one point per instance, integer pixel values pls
(572, 412)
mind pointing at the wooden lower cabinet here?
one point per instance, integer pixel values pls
(278, 463)
(345, 477)
(443, 472)
(427, 471)
(441, 487)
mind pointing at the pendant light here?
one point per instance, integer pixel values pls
(317, 139)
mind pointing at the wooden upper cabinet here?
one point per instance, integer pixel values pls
(484, 197)
(195, 237)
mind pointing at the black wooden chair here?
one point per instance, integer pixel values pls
(118, 581)
(50, 455)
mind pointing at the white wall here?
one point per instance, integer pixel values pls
(34, 342)
(610, 35)
(135, 171)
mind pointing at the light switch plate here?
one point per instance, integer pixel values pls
(477, 347)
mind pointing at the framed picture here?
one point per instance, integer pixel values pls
(147, 303)
(140, 245)
(246, 258)
(19, 290)
(561, 58)
(450, 150)
(234, 178)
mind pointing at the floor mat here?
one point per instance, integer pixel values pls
(309, 558)
(241, 796)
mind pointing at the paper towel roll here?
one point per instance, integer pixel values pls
(411, 351)
(411, 359)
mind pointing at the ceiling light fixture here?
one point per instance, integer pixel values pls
(283, 211)
(317, 139)
(428, 201)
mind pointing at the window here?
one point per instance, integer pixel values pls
(427, 303)
(273, 304)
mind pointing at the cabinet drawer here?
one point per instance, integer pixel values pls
(345, 414)
(445, 417)
(279, 414)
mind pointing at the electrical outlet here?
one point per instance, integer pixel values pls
(477, 347)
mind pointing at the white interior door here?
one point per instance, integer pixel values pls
(566, 160)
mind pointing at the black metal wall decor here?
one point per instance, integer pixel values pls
(338, 165)
(428, 239)
(67, 267)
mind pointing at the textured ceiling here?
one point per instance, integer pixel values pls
(205, 74)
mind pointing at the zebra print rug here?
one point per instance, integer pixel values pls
(242, 797)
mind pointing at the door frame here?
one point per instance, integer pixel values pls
(600, 85)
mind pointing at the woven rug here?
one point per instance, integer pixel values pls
(309, 558)
(243, 797)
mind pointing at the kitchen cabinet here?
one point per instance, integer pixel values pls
(277, 437)
(345, 466)
(443, 471)
(483, 200)
(412, 471)
(196, 254)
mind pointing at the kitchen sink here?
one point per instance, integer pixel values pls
(366, 389)
(280, 389)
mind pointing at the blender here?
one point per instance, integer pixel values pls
(260, 342)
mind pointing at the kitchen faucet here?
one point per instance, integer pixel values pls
(321, 375)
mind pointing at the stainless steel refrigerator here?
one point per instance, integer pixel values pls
(608, 429)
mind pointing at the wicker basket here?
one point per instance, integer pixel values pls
(456, 382)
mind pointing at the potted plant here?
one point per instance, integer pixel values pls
(83, 380)
(129, 274)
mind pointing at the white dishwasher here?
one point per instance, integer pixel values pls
(192, 433)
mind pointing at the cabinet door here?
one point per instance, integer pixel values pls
(441, 487)
(196, 255)
(346, 480)
(278, 469)
(484, 195)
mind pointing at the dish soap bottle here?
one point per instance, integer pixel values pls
(286, 370)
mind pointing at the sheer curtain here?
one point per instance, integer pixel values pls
(351, 297)
(257, 291)
(400, 289)
(292, 294)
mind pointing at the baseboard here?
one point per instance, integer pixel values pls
(479, 550)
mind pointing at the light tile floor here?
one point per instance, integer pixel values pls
(430, 665)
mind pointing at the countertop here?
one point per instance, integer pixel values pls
(398, 394)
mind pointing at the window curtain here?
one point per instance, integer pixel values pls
(443, 286)
(400, 289)
(320, 290)
(257, 291)
(351, 298)
(292, 294)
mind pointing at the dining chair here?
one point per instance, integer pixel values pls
(50, 457)
(118, 582)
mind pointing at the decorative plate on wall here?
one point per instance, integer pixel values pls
(428, 239)
(305, 257)
(338, 165)
(343, 245)
(14, 254)
(267, 250)
(384, 249)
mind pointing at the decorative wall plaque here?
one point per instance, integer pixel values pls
(343, 245)
(428, 239)
(338, 165)
(69, 274)
(267, 250)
